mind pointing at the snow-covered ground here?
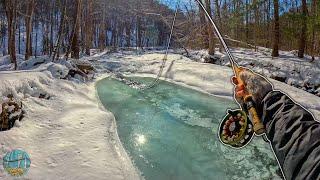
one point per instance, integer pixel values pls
(68, 136)
(288, 68)
(71, 136)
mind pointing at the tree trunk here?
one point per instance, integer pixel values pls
(161, 33)
(51, 28)
(210, 30)
(11, 10)
(247, 21)
(36, 40)
(60, 32)
(45, 39)
(114, 33)
(19, 38)
(75, 49)
(128, 34)
(313, 16)
(218, 13)
(89, 26)
(203, 24)
(139, 32)
(275, 51)
(256, 23)
(303, 35)
(28, 21)
(102, 29)
(102, 36)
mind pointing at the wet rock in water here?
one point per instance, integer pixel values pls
(211, 59)
(11, 110)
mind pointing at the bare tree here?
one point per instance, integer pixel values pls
(303, 35)
(203, 24)
(75, 48)
(11, 12)
(275, 51)
(28, 21)
(128, 33)
(89, 27)
(60, 31)
(210, 30)
(313, 31)
(102, 28)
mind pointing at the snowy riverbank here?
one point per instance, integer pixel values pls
(210, 78)
(71, 136)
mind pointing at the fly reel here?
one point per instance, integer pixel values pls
(236, 130)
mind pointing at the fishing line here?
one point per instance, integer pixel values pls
(236, 127)
(165, 58)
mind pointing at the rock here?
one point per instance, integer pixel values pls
(11, 110)
(83, 65)
(211, 59)
(44, 96)
(279, 78)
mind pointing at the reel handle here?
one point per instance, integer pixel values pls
(258, 126)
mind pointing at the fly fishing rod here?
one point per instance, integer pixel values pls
(236, 128)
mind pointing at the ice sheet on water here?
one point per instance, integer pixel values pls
(154, 126)
(190, 116)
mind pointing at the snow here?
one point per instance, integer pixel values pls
(72, 136)
(301, 73)
(69, 136)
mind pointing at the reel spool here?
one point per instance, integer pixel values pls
(236, 130)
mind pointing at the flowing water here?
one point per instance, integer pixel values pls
(170, 132)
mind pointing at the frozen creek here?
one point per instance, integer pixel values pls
(72, 136)
(170, 132)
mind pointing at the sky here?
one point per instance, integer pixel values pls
(172, 3)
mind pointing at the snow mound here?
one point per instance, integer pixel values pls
(5, 62)
(58, 70)
(32, 84)
(34, 63)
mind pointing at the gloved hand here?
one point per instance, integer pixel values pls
(253, 84)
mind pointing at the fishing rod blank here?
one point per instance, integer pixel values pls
(218, 34)
(234, 129)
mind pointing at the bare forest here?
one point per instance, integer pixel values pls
(70, 28)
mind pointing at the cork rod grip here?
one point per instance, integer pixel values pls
(258, 126)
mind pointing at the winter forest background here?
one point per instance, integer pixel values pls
(53, 53)
(72, 27)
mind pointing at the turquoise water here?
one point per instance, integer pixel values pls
(170, 132)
